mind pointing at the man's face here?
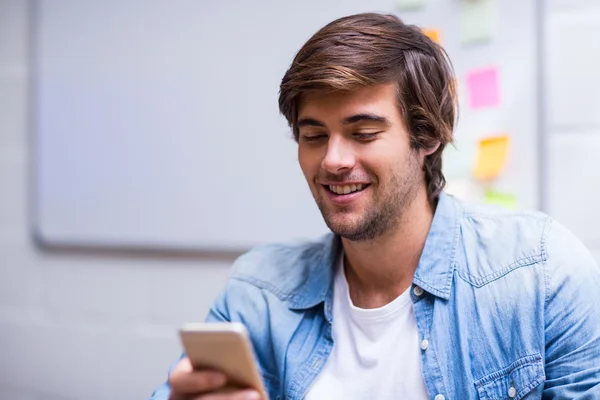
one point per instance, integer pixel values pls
(355, 153)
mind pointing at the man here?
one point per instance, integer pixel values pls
(415, 294)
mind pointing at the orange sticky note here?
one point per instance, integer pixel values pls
(491, 157)
(434, 34)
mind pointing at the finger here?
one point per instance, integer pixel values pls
(175, 396)
(184, 380)
(197, 382)
(248, 394)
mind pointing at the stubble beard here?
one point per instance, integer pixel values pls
(387, 209)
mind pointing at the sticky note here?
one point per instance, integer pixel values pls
(410, 4)
(492, 154)
(464, 188)
(458, 158)
(482, 86)
(477, 20)
(501, 199)
(434, 34)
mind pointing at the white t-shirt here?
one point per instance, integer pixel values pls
(376, 352)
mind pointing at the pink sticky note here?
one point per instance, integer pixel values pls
(483, 88)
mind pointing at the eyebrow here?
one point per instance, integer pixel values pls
(309, 122)
(346, 121)
(366, 117)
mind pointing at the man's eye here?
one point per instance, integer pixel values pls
(365, 136)
(312, 138)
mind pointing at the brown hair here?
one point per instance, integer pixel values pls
(368, 49)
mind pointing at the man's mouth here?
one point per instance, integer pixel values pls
(346, 189)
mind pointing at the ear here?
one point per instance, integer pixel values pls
(429, 151)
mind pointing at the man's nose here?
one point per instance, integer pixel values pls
(340, 155)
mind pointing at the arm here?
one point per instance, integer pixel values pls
(572, 318)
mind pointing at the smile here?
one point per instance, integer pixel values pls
(346, 189)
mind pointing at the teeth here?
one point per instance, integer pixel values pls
(345, 189)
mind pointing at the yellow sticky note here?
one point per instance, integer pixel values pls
(491, 157)
(410, 4)
(501, 199)
(434, 34)
(477, 20)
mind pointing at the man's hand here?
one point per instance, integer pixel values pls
(187, 384)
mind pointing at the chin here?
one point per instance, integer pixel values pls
(356, 235)
(343, 226)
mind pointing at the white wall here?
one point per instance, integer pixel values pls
(72, 325)
(79, 326)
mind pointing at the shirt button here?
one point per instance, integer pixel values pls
(418, 291)
(439, 397)
(424, 344)
(512, 392)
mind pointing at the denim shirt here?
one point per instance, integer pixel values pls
(509, 303)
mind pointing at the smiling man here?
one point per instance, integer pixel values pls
(414, 294)
(358, 161)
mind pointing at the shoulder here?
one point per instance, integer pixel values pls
(486, 220)
(286, 267)
(495, 241)
(569, 264)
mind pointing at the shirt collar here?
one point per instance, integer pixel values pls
(318, 287)
(434, 271)
(436, 265)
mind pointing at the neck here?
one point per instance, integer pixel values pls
(380, 270)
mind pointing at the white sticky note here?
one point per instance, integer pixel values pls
(477, 20)
(410, 4)
(458, 158)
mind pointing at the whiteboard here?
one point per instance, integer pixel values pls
(156, 125)
(572, 117)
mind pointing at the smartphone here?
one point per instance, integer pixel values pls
(226, 347)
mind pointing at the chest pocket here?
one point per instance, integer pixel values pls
(514, 382)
